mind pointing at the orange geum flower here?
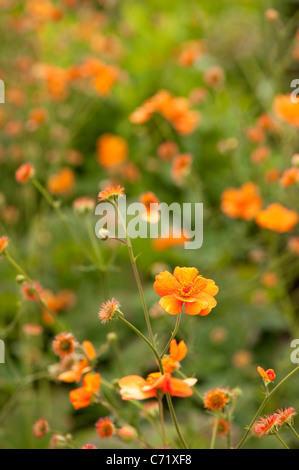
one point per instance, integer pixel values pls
(151, 213)
(267, 375)
(265, 425)
(286, 109)
(4, 241)
(24, 173)
(61, 183)
(112, 150)
(134, 387)
(105, 427)
(31, 291)
(111, 191)
(177, 353)
(285, 416)
(290, 177)
(215, 399)
(244, 202)
(222, 427)
(75, 373)
(41, 428)
(277, 218)
(108, 310)
(64, 344)
(185, 286)
(81, 397)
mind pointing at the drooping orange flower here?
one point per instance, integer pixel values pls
(177, 353)
(290, 177)
(286, 110)
(110, 191)
(277, 218)
(105, 427)
(75, 373)
(215, 399)
(151, 213)
(222, 427)
(265, 425)
(267, 375)
(64, 344)
(244, 202)
(24, 173)
(112, 150)
(63, 182)
(81, 397)
(134, 387)
(185, 286)
(3, 243)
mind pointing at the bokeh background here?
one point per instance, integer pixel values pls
(230, 61)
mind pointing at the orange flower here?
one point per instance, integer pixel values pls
(134, 387)
(41, 428)
(265, 425)
(222, 427)
(290, 177)
(267, 375)
(62, 182)
(293, 245)
(215, 399)
(110, 192)
(255, 134)
(185, 285)
(24, 173)
(81, 397)
(286, 110)
(190, 52)
(272, 175)
(89, 350)
(108, 310)
(173, 239)
(3, 243)
(167, 150)
(277, 218)
(177, 353)
(181, 167)
(269, 279)
(151, 214)
(112, 150)
(260, 154)
(31, 291)
(76, 372)
(244, 202)
(64, 344)
(105, 427)
(285, 416)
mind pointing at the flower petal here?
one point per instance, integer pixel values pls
(165, 284)
(184, 275)
(171, 305)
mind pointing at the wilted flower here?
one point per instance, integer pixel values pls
(108, 310)
(41, 428)
(265, 425)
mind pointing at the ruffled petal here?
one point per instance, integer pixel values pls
(171, 304)
(185, 275)
(165, 284)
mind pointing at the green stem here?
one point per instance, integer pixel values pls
(177, 324)
(175, 421)
(215, 428)
(160, 402)
(262, 406)
(293, 430)
(281, 440)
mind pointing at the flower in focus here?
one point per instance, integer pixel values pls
(265, 425)
(285, 416)
(61, 183)
(222, 427)
(244, 202)
(215, 399)
(24, 173)
(185, 286)
(267, 375)
(287, 110)
(64, 344)
(105, 427)
(81, 397)
(3, 243)
(111, 191)
(277, 218)
(41, 428)
(151, 213)
(108, 310)
(134, 387)
(112, 150)
(177, 353)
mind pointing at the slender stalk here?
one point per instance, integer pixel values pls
(175, 421)
(215, 428)
(281, 440)
(293, 430)
(263, 404)
(177, 324)
(160, 402)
